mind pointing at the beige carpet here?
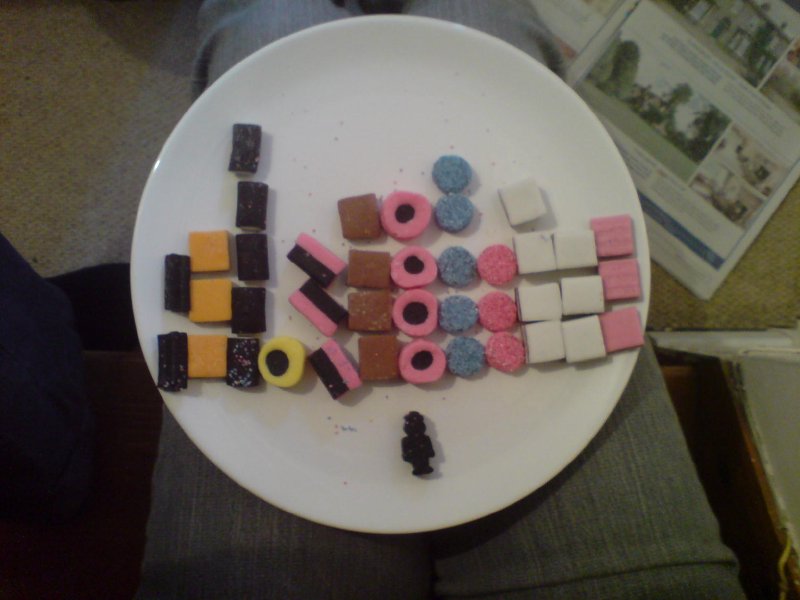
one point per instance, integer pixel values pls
(90, 90)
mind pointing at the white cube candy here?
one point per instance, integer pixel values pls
(583, 339)
(538, 302)
(522, 201)
(534, 251)
(582, 295)
(575, 249)
(544, 341)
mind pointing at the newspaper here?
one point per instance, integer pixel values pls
(702, 98)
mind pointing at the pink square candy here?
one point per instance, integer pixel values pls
(622, 329)
(613, 236)
(620, 279)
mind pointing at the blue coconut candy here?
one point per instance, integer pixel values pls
(457, 314)
(465, 356)
(457, 267)
(451, 174)
(453, 212)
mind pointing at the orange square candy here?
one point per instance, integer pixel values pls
(210, 300)
(207, 355)
(208, 251)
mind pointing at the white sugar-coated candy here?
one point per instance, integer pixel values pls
(534, 251)
(574, 249)
(522, 201)
(583, 339)
(582, 295)
(544, 341)
(538, 302)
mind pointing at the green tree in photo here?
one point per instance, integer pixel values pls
(625, 65)
(677, 96)
(707, 126)
(758, 52)
(683, 5)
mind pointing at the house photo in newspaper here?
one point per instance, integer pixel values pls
(703, 100)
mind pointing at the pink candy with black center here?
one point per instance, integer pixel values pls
(422, 361)
(497, 311)
(497, 264)
(413, 267)
(405, 215)
(505, 352)
(415, 312)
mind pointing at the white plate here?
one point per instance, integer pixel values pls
(367, 105)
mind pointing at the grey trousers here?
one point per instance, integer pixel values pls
(626, 519)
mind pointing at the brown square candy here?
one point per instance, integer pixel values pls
(377, 357)
(360, 217)
(370, 310)
(369, 269)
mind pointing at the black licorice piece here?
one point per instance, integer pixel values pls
(328, 373)
(413, 265)
(252, 261)
(312, 267)
(242, 363)
(417, 447)
(277, 362)
(415, 313)
(404, 213)
(422, 360)
(177, 272)
(248, 307)
(251, 205)
(325, 303)
(173, 361)
(246, 150)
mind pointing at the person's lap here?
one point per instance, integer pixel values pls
(627, 519)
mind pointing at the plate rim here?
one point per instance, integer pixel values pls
(642, 254)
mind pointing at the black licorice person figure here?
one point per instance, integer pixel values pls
(417, 447)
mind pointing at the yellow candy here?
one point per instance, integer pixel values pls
(281, 361)
(207, 355)
(208, 251)
(210, 300)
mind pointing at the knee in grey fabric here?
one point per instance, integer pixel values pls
(209, 538)
(232, 30)
(630, 502)
(626, 519)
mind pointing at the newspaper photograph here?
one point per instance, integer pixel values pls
(702, 98)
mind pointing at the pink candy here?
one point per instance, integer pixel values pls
(505, 352)
(497, 264)
(622, 329)
(422, 361)
(497, 311)
(342, 364)
(415, 312)
(405, 215)
(613, 235)
(620, 279)
(413, 267)
(320, 253)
